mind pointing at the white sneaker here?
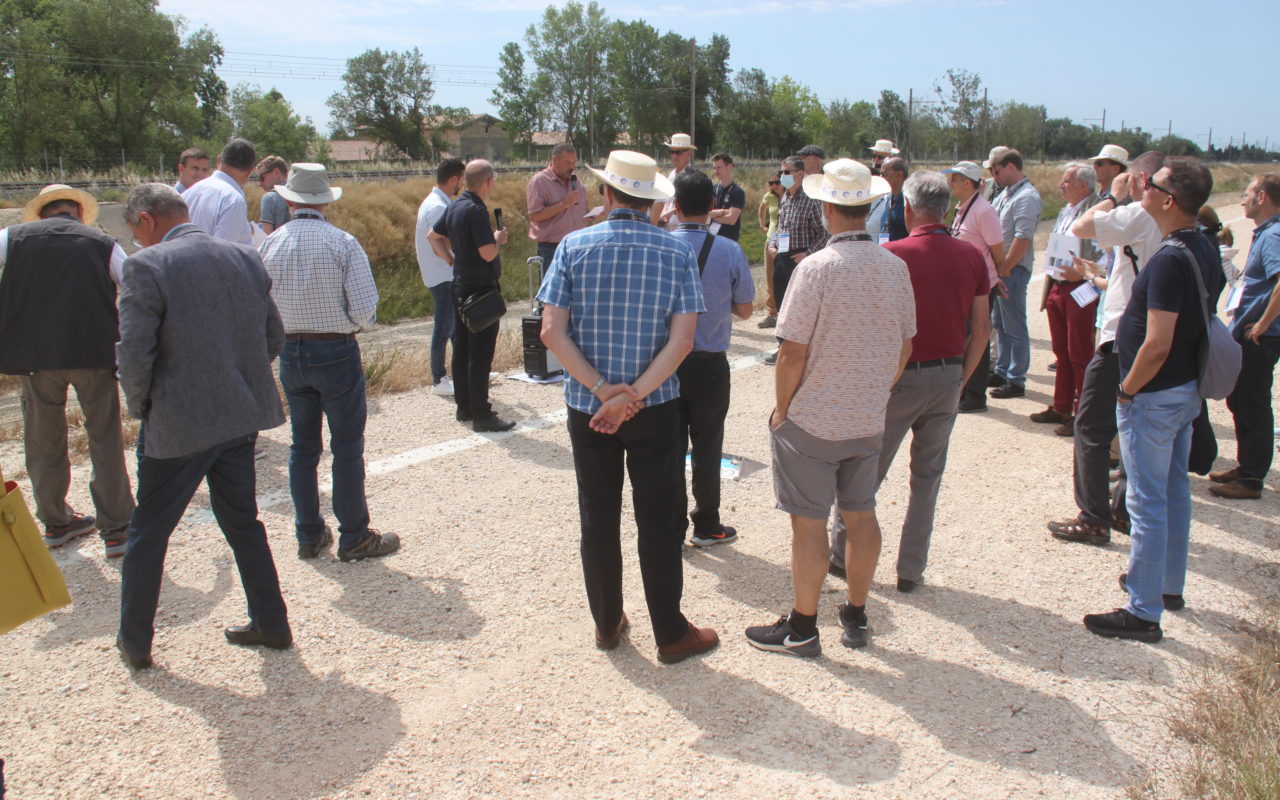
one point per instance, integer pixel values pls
(444, 388)
(259, 453)
(493, 376)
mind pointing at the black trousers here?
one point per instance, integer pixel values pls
(783, 265)
(649, 444)
(1095, 427)
(472, 359)
(704, 404)
(1250, 404)
(974, 393)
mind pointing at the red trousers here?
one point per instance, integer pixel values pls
(1071, 330)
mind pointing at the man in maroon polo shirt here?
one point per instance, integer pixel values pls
(950, 283)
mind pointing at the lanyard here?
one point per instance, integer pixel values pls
(955, 229)
(849, 236)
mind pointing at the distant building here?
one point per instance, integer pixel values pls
(481, 136)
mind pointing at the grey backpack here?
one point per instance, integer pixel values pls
(1219, 356)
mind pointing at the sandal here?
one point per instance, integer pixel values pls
(1077, 530)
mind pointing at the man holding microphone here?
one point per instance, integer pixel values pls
(557, 205)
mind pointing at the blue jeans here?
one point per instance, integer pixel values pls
(165, 488)
(546, 251)
(446, 317)
(1009, 319)
(325, 378)
(1155, 441)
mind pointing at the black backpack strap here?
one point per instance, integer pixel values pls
(1194, 263)
(705, 252)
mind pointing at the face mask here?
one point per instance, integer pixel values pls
(788, 181)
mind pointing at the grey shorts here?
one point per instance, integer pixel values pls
(809, 473)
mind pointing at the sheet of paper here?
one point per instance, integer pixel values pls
(715, 228)
(259, 235)
(595, 212)
(1059, 245)
(1084, 294)
(784, 242)
(1235, 296)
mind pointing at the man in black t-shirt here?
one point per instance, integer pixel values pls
(1158, 344)
(729, 199)
(464, 238)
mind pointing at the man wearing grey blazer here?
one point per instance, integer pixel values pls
(198, 332)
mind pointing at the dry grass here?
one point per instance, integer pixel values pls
(404, 369)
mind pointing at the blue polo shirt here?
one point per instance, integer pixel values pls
(725, 280)
(621, 281)
(1260, 273)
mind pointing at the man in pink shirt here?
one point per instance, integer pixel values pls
(977, 223)
(557, 205)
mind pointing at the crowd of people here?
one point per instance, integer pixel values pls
(885, 286)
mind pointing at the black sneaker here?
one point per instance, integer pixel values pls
(837, 571)
(994, 381)
(373, 545)
(780, 637)
(1172, 602)
(1120, 624)
(115, 542)
(1008, 390)
(492, 424)
(308, 550)
(854, 622)
(771, 358)
(58, 535)
(768, 322)
(971, 408)
(723, 536)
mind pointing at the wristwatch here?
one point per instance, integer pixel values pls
(1122, 394)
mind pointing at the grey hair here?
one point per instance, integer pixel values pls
(1085, 174)
(928, 193)
(156, 199)
(562, 148)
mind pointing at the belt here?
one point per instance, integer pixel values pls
(937, 362)
(315, 337)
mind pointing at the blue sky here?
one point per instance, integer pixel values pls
(1194, 64)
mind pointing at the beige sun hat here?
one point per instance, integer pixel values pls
(996, 152)
(308, 184)
(635, 174)
(845, 182)
(884, 147)
(61, 191)
(680, 141)
(1113, 152)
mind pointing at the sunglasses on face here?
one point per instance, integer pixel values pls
(1151, 184)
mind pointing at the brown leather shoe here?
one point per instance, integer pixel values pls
(1225, 475)
(697, 640)
(611, 641)
(1235, 491)
(1050, 415)
(1067, 428)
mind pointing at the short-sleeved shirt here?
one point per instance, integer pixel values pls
(800, 217)
(1019, 208)
(1167, 284)
(1129, 226)
(852, 304)
(770, 201)
(466, 223)
(1260, 276)
(435, 270)
(545, 189)
(946, 274)
(621, 282)
(730, 196)
(273, 210)
(977, 223)
(726, 280)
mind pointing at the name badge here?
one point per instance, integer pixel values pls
(1084, 294)
(715, 228)
(784, 242)
(882, 238)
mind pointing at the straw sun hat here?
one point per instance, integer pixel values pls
(60, 191)
(635, 174)
(845, 182)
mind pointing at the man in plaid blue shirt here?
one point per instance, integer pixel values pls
(622, 302)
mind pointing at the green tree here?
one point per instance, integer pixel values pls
(635, 64)
(386, 96)
(853, 128)
(797, 113)
(746, 124)
(517, 105)
(267, 120)
(893, 116)
(962, 110)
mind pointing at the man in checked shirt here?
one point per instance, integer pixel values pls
(799, 233)
(324, 289)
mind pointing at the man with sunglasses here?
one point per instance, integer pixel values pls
(800, 231)
(1158, 343)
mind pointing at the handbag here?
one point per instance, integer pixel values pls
(482, 309)
(1219, 356)
(30, 582)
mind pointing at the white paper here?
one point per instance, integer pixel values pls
(595, 212)
(1235, 296)
(882, 238)
(784, 242)
(1059, 246)
(259, 235)
(1084, 294)
(715, 228)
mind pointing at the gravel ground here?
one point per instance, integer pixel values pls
(463, 666)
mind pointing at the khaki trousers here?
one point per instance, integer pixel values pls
(44, 420)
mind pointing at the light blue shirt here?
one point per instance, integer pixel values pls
(621, 282)
(1260, 273)
(217, 207)
(1019, 207)
(726, 280)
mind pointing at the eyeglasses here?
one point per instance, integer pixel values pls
(775, 183)
(1151, 184)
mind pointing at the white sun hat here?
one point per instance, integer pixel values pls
(1113, 152)
(884, 147)
(966, 168)
(680, 141)
(635, 174)
(309, 185)
(845, 182)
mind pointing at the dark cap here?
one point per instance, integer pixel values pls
(812, 150)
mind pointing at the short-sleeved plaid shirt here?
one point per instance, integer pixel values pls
(621, 282)
(801, 217)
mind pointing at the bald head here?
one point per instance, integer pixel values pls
(894, 170)
(478, 176)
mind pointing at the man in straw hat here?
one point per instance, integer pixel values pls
(882, 149)
(324, 288)
(682, 152)
(622, 303)
(846, 327)
(58, 328)
(198, 332)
